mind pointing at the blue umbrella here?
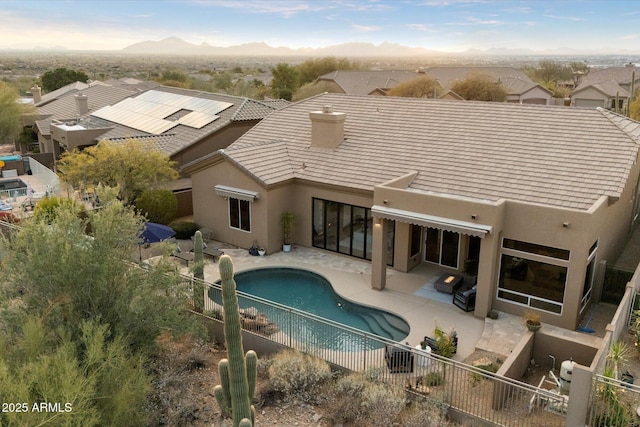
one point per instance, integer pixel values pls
(154, 233)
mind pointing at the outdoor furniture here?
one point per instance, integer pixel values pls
(213, 253)
(447, 283)
(431, 342)
(185, 256)
(464, 296)
(399, 358)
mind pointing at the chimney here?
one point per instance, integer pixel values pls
(327, 128)
(36, 91)
(82, 104)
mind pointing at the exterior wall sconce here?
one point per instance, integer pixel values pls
(385, 201)
(474, 216)
(565, 224)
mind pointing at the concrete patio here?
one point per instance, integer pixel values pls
(350, 278)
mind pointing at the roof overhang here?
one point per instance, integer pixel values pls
(463, 227)
(236, 193)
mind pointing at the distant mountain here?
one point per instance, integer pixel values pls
(177, 46)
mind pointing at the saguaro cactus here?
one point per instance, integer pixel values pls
(198, 272)
(238, 372)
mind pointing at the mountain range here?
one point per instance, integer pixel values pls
(177, 46)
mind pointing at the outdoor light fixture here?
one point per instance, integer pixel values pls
(565, 224)
(474, 216)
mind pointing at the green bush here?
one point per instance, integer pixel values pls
(432, 379)
(296, 374)
(158, 206)
(184, 229)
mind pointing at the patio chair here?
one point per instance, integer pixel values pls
(399, 358)
(464, 297)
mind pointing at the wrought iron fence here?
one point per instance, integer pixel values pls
(470, 391)
(614, 403)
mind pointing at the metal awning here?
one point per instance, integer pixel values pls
(236, 193)
(463, 227)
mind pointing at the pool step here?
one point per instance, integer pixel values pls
(398, 325)
(379, 326)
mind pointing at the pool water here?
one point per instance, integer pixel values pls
(312, 293)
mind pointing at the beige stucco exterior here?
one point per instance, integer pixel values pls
(607, 221)
(554, 232)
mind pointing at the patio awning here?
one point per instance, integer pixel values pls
(236, 193)
(463, 227)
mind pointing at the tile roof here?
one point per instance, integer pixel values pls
(558, 156)
(607, 87)
(620, 75)
(514, 80)
(365, 82)
(65, 90)
(243, 109)
(165, 143)
(64, 108)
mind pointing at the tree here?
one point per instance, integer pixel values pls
(60, 77)
(11, 113)
(131, 166)
(420, 87)
(174, 78)
(311, 69)
(63, 275)
(158, 205)
(286, 80)
(480, 87)
(312, 89)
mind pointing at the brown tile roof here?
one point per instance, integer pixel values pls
(566, 157)
(620, 75)
(365, 82)
(514, 80)
(242, 109)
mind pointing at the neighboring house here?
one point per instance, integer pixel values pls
(376, 82)
(601, 87)
(184, 124)
(536, 196)
(70, 107)
(518, 85)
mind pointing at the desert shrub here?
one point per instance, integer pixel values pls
(262, 366)
(297, 374)
(358, 399)
(382, 403)
(158, 205)
(184, 229)
(432, 379)
(429, 413)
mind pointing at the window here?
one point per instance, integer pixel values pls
(533, 275)
(588, 277)
(442, 247)
(346, 229)
(239, 214)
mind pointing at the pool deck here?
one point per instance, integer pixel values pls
(351, 279)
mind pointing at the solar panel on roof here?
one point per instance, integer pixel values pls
(148, 111)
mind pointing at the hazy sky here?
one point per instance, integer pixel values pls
(445, 25)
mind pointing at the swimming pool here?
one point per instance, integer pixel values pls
(312, 293)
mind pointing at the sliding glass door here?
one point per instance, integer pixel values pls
(346, 229)
(442, 247)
